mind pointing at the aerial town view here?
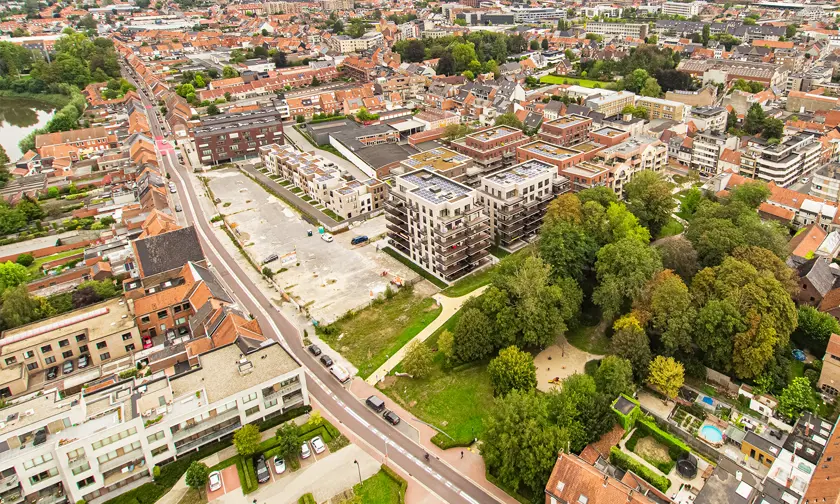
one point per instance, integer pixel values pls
(419, 252)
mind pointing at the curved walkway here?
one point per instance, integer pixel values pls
(448, 308)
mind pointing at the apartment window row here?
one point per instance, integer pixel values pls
(80, 469)
(156, 437)
(43, 475)
(114, 438)
(118, 452)
(90, 480)
(43, 459)
(250, 397)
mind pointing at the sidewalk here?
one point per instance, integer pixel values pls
(448, 308)
(471, 466)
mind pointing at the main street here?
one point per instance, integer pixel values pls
(441, 479)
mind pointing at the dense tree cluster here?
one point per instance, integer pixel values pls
(478, 52)
(650, 58)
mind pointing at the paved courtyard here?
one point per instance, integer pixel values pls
(327, 278)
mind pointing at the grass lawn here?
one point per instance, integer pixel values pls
(589, 339)
(415, 267)
(672, 228)
(378, 489)
(370, 336)
(453, 400)
(470, 283)
(499, 252)
(35, 267)
(797, 368)
(562, 79)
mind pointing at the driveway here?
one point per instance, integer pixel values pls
(230, 483)
(560, 361)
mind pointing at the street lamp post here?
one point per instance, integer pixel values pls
(360, 470)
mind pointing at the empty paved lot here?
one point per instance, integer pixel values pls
(328, 278)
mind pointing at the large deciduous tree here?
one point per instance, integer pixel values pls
(614, 376)
(814, 329)
(649, 198)
(797, 397)
(630, 342)
(581, 410)
(667, 375)
(512, 369)
(666, 303)
(623, 268)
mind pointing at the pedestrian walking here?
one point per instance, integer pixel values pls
(462, 453)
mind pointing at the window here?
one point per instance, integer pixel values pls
(11, 360)
(44, 475)
(159, 450)
(63, 343)
(186, 306)
(114, 438)
(105, 356)
(32, 366)
(156, 437)
(83, 349)
(251, 411)
(80, 469)
(177, 309)
(250, 397)
(126, 336)
(162, 314)
(67, 354)
(270, 404)
(90, 480)
(46, 349)
(43, 459)
(145, 320)
(28, 354)
(101, 345)
(181, 321)
(80, 337)
(49, 360)
(129, 348)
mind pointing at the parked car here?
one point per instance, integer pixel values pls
(173, 190)
(799, 355)
(272, 257)
(52, 373)
(262, 470)
(67, 368)
(340, 373)
(84, 360)
(358, 239)
(325, 360)
(391, 417)
(304, 450)
(327, 237)
(178, 208)
(375, 403)
(318, 444)
(279, 465)
(314, 350)
(215, 480)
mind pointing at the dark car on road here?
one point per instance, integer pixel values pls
(314, 350)
(391, 417)
(262, 470)
(358, 239)
(375, 403)
(325, 360)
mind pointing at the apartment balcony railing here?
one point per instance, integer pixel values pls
(121, 460)
(205, 439)
(283, 391)
(206, 424)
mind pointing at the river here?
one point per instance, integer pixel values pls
(18, 117)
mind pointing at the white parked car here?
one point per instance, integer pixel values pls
(327, 237)
(215, 481)
(318, 444)
(279, 465)
(304, 450)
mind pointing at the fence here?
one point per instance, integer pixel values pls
(722, 380)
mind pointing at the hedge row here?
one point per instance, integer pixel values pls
(250, 483)
(628, 463)
(399, 479)
(676, 447)
(444, 442)
(307, 499)
(663, 465)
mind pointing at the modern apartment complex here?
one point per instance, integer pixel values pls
(826, 182)
(632, 156)
(686, 10)
(239, 135)
(516, 198)
(612, 30)
(345, 44)
(783, 163)
(710, 119)
(566, 130)
(661, 109)
(442, 161)
(438, 223)
(322, 181)
(611, 104)
(106, 439)
(491, 149)
(707, 149)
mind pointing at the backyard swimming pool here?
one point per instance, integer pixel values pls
(711, 434)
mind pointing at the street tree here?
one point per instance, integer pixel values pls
(418, 360)
(196, 475)
(512, 369)
(288, 440)
(247, 440)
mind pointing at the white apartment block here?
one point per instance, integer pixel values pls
(707, 149)
(683, 9)
(322, 181)
(783, 163)
(534, 14)
(612, 104)
(346, 45)
(826, 182)
(438, 223)
(627, 158)
(516, 199)
(612, 30)
(710, 119)
(606, 10)
(106, 439)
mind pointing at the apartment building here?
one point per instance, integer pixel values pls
(799, 101)
(707, 149)
(226, 137)
(331, 5)
(586, 175)
(561, 157)
(105, 440)
(686, 10)
(724, 71)
(611, 104)
(409, 87)
(783, 163)
(566, 130)
(536, 14)
(703, 97)
(104, 332)
(321, 180)
(829, 381)
(359, 69)
(440, 160)
(436, 118)
(621, 30)
(826, 182)
(491, 149)
(661, 109)
(516, 198)
(710, 119)
(438, 223)
(632, 156)
(345, 44)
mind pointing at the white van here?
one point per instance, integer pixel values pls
(340, 373)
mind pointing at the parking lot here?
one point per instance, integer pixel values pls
(328, 279)
(230, 483)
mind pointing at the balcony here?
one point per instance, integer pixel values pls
(125, 473)
(8, 482)
(207, 424)
(283, 391)
(121, 460)
(206, 439)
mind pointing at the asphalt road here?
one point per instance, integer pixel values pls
(441, 479)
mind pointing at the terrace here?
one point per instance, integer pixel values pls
(550, 151)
